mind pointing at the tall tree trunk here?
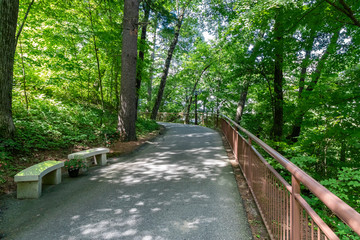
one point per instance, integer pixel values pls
(116, 82)
(278, 78)
(24, 77)
(127, 111)
(9, 10)
(304, 66)
(187, 109)
(303, 107)
(246, 83)
(97, 59)
(306, 61)
(152, 68)
(167, 66)
(140, 64)
(242, 100)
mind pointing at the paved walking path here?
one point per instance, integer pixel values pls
(180, 186)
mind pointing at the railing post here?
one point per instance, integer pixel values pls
(250, 175)
(295, 210)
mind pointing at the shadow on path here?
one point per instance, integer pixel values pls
(180, 186)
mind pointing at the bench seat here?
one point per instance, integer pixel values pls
(29, 181)
(91, 152)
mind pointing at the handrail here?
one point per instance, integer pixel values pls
(334, 203)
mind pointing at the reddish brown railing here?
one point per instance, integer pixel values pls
(285, 213)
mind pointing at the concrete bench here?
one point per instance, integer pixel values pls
(29, 181)
(91, 153)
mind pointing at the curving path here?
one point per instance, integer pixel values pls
(179, 186)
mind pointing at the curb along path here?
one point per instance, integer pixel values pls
(180, 186)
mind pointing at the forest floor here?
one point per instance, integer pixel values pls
(116, 149)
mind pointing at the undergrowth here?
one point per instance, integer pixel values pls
(49, 124)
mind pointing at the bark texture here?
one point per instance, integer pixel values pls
(127, 111)
(8, 19)
(242, 101)
(278, 78)
(167, 66)
(140, 63)
(152, 69)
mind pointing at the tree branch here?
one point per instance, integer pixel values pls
(345, 10)
(304, 15)
(22, 25)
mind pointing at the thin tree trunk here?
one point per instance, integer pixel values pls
(304, 66)
(127, 112)
(24, 77)
(88, 84)
(242, 101)
(305, 63)
(278, 78)
(152, 69)
(111, 83)
(82, 88)
(115, 65)
(187, 112)
(117, 99)
(343, 151)
(140, 63)
(97, 59)
(303, 107)
(167, 66)
(9, 10)
(23, 23)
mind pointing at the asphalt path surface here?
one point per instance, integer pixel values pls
(179, 186)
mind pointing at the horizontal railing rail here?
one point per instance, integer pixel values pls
(285, 213)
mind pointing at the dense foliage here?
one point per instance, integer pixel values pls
(288, 71)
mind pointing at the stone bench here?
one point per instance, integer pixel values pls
(91, 153)
(29, 181)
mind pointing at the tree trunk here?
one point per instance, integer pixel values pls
(187, 109)
(9, 10)
(152, 69)
(278, 78)
(303, 107)
(242, 100)
(116, 82)
(97, 59)
(167, 66)
(343, 152)
(127, 111)
(140, 64)
(24, 77)
(305, 63)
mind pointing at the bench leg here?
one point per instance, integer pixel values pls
(29, 189)
(103, 159)
(53, 178)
